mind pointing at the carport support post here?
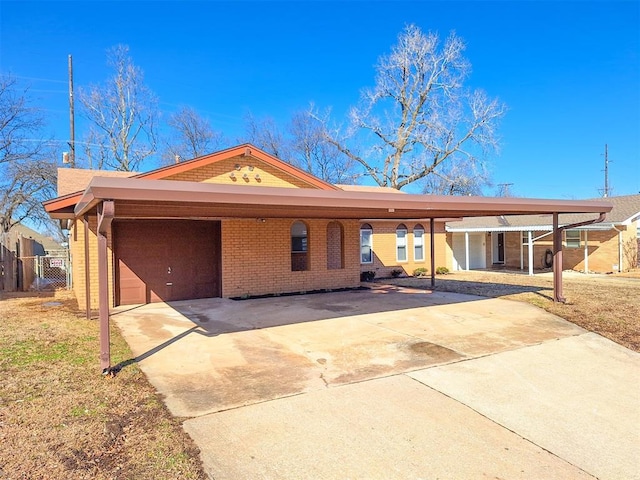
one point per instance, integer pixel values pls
(105, 216)
(87, 274)
(433, 251)
(557, 261)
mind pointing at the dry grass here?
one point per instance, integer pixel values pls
(605, 304)
(59, 418)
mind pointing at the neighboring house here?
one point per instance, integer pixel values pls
(40, 245)
(503, 241)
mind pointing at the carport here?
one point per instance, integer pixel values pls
(134, 199)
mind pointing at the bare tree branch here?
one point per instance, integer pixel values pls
(124, 114)
(27, 169)
(192, 136)
(419, 116)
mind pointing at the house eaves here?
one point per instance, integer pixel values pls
(529, 228)
(139, 197)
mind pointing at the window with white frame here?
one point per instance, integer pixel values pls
(366, 244)
(572, 238)
(418, 243)
(401, 243)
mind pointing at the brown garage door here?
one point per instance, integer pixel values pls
(158, 260)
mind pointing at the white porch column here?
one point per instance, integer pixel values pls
(530, 252)
(466, 251)
(586, 251)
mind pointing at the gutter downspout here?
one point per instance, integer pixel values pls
(106, 211)
(557, 252)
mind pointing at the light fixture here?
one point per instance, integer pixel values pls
(245, 176)
(232, 175)
(250, 167)
(257, 177)
(238, 167)
(261, 220)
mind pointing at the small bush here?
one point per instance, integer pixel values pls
(367, 276)
(442, 270)
(396, 272)
(420, 272)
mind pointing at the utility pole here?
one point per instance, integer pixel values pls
(605, 192)
(72, 135)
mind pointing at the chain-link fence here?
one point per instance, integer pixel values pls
(45, 273)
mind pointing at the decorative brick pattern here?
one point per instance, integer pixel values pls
(250, 172)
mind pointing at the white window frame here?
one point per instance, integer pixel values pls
(401, 242)
(417, 243)
(370, 245)
(571, 242)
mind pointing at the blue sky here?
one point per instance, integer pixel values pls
(568, 71)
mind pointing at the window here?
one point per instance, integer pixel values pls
(418, 243)
(299, 247)
(401, 243)
(366, 244)
(335, 240)
(572, 238)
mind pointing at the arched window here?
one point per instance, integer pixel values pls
(299, 247)
(335, 242)
(366, 243)
(418, 243)
(401, 243)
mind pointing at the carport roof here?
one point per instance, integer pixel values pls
(139, 198)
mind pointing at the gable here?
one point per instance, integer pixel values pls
(241, 170)
(240, 161)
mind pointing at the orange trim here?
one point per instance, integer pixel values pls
(245, 149)
(62, 202)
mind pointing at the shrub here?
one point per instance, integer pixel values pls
(367, 276)
(396, 272)
(442, 270)
(420, 272)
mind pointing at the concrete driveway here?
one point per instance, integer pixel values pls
(390, 383)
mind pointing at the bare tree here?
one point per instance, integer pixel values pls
(313, 153)
(265, 134)
(419, 115)
(27, 171)
(302, 143)
(124, 113)
(192, 136)
(459, 178)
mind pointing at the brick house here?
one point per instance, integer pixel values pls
(241, 222)
(503, 242)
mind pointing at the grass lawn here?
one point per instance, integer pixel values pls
(59, 418)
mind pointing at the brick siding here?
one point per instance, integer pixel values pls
(384, 249)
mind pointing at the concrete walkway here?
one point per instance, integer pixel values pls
(391, 383)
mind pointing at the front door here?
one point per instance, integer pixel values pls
(498, 247)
